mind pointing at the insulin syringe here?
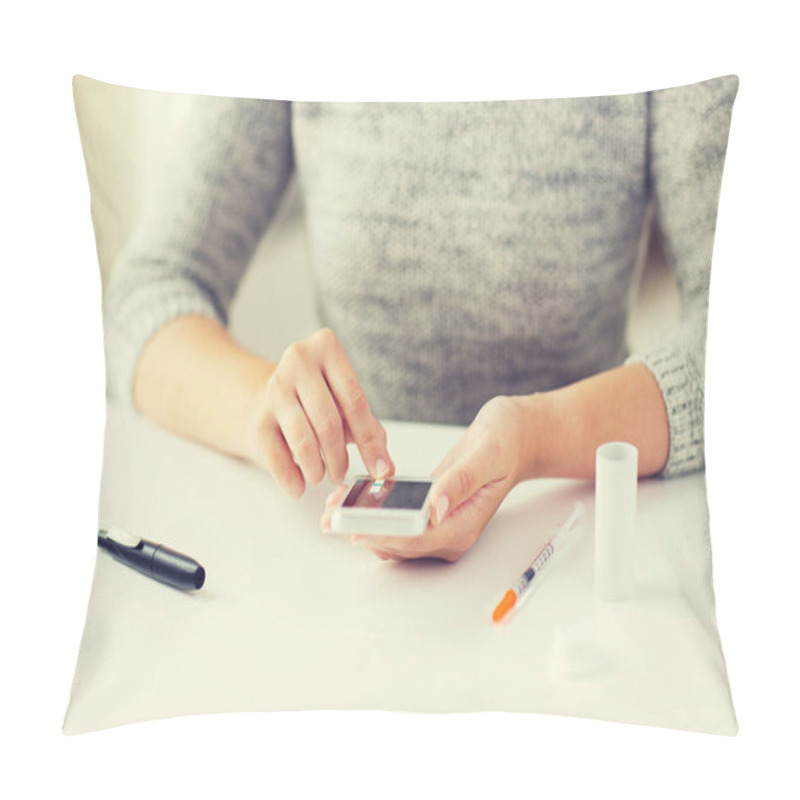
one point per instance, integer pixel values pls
(520, 588)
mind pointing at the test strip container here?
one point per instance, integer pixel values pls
(616, 476)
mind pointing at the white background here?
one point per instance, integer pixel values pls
(53, 407)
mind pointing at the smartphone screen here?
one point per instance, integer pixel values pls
(401, 494)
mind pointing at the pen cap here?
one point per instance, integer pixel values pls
(616, 475)
(176, 569)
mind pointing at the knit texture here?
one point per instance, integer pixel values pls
(459, 250)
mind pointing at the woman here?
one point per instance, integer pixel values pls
(473, 263)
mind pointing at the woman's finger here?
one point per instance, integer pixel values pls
(301, 439)
(280, 463)
(476, 468)
(323, 414)
(368, 434)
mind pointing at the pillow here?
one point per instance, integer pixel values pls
(458, 252)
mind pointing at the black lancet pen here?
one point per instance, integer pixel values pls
(151, 559)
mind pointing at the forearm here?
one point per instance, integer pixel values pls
(220, 187)
(196, 381)
(564, 427)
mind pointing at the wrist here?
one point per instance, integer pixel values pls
(534, 415)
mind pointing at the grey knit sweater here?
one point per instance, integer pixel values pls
(459, 250)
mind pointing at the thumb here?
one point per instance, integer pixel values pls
(459, 482)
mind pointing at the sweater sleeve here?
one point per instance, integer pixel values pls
(192, 244)
(688, 139)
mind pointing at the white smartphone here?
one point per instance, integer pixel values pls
(392, 507)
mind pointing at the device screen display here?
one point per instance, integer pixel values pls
(390, 493)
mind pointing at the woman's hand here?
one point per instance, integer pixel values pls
(469, 485)
(311, 407)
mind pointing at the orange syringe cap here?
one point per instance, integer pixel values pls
(505, 605)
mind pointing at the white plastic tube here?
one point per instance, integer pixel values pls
(616, 474)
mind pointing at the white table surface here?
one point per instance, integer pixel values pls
(290, 618)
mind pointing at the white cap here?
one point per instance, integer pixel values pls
(616, 474)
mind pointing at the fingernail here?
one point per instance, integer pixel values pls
(442, 504)
(381, 468)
